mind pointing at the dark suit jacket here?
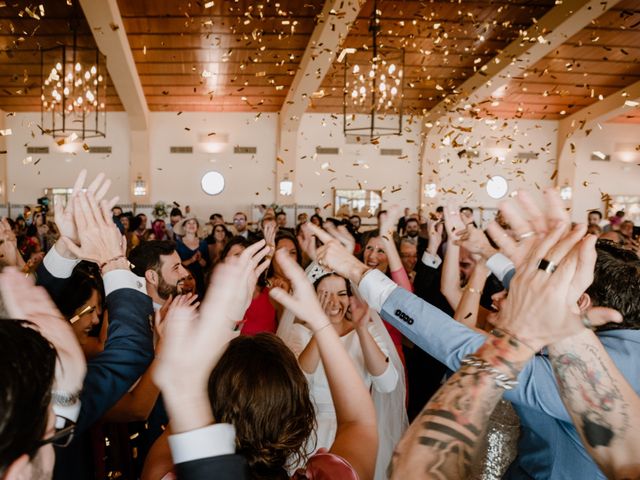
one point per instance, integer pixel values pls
(127, 354)
(223, 467)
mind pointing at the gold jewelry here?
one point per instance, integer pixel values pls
(84, 311)
(473, 290)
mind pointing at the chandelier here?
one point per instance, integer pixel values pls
(374, 89)
(73, 89)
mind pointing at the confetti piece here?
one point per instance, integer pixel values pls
(6, 132)
(209, 4)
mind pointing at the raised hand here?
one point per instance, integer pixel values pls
(303, 302)
(541, 307)
(389, 220)
(194, 342)
(100, 241)
(452, 221)
(475, 241)
(527, 222)
(24, 301)
(435, 236)
(359, 313)
(189, 300)
(64, 216)
(233, 283)
(270, 234)
(307, 241)
(334, 256)
(342, 235)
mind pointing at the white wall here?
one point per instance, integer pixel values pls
(356, 164)
(594, 178)
(498, 144)
(27, 180)
(250, 179)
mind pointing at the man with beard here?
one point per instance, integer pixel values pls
(412, 230)
(159, 264)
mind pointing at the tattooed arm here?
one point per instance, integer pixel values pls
(603, 406)
(443, 441)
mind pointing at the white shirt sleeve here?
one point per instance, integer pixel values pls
(59, 266)
(385, 382)
(375, 288)
(431, 261)
(499, 265)
(72, 412)
(117, 279)
(205, 442)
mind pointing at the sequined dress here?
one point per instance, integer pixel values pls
(500, 445)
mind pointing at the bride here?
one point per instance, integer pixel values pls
(366, 340)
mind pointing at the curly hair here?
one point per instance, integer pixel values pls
(259, 388)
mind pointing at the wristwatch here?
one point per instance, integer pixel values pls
(65, 399)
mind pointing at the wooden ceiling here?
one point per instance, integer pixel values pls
(23, 32)
(243, 55)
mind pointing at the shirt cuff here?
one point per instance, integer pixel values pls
(59, 266)
(117, 279)
(432, 261)
(375, 288)
(71, 412)
(386, 382)
(499, 265)
(205, 442)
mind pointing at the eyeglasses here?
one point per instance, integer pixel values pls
(63, 435)
(239, 220)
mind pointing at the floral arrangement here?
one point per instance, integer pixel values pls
(160, 210)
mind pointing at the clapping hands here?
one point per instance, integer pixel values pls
(194, 341)
(555, 265)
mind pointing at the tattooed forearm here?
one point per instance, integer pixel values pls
(601, 403)
(443, 442)
(587, 386)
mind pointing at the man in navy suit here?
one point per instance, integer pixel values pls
(90, 234)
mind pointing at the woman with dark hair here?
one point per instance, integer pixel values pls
(372, 351)
(257, 386)
(193, 251)
(289, 243)
(159, 229)
(81, 305)
(216, 242)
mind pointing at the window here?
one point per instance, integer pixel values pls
(212, 183)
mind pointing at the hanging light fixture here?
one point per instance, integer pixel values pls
(140, 187)
(374, 90)
(73, 88)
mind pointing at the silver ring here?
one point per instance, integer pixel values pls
(586, 322)
(547, 265)
(528, 234)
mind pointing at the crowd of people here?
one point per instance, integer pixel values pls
(425, 347)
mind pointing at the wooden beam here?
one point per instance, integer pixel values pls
(108, 30)
(106, 24)
(560, 23)
(553, 29)
(329, 33)
(579, 124)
